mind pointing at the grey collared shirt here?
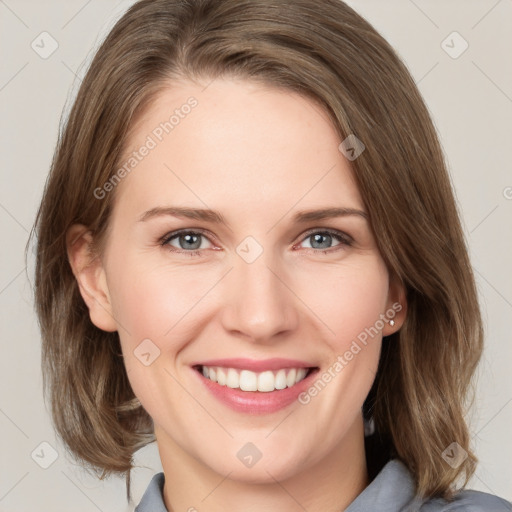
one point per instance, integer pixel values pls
(392, 490)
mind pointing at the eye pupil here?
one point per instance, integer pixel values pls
(190, 241)
(318, 239)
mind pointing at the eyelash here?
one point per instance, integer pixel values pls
(343, 238)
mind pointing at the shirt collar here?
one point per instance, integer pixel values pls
(153, 498)
(391, 490)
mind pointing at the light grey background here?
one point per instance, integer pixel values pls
(470, 98)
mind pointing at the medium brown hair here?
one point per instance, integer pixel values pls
(328, 53)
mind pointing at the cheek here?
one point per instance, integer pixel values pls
(149, 301)
(158, 311)
(152, 305)
(352, 309)
(348, 299)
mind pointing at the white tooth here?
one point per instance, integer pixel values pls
(301, 373)
(280, 379)
(248, 381)
(266, 381)
(232, 379)
(221, 376)
(290, 378)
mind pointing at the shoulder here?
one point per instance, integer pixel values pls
(468, 501)
(393, 490)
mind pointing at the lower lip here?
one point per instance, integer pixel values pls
(256, 402)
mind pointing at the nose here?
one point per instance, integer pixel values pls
(259, 304)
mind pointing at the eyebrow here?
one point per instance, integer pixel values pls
(216, 217)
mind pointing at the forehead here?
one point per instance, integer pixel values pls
(235, 144)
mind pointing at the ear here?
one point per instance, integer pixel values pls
(89, 272)
(396, 308)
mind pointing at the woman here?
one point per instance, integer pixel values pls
(249, 251)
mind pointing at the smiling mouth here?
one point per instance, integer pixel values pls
(247, 380)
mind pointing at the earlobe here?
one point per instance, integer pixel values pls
(396, 309)
(90, 275)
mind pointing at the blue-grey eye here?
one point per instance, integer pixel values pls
(186, 240)
(323, 240)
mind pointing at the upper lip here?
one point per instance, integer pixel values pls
(256, 365)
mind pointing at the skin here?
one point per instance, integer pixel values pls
(258, 155)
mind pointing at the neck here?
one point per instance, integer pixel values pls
(330, 484)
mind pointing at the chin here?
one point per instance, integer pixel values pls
(274, 463)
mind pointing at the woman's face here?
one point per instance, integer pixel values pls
(259, 293)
